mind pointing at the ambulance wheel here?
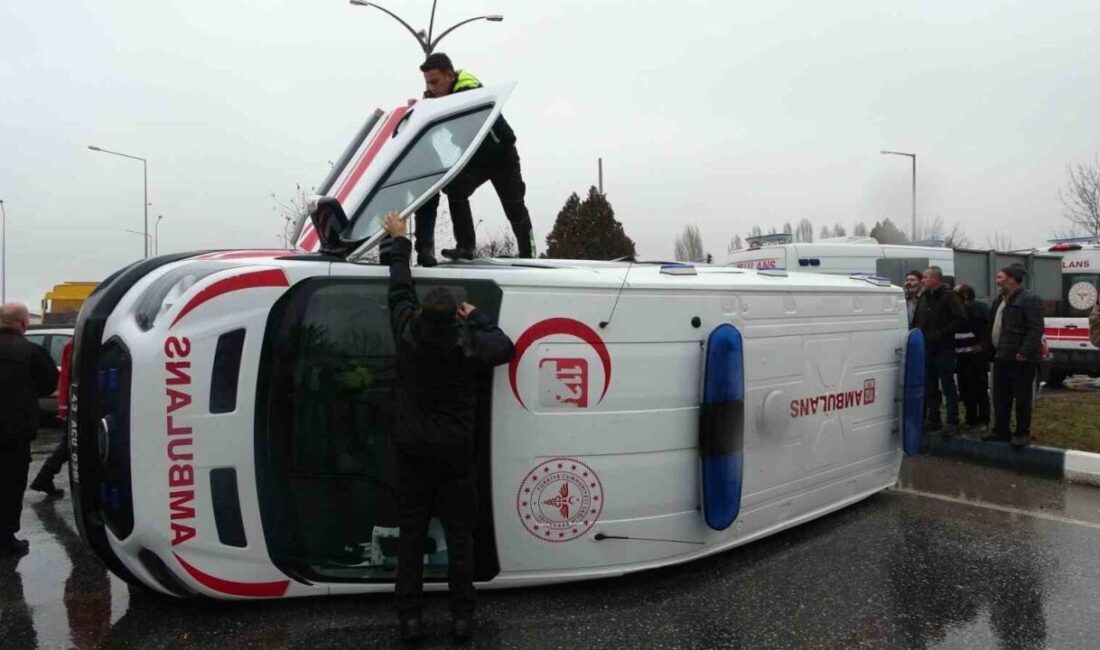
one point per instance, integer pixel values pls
(1055, 379)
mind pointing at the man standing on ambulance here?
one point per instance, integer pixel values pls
(496, 161)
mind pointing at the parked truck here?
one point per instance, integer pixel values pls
(62, 303)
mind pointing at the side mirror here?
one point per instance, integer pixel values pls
(330, 222)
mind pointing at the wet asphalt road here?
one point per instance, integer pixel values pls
(957, 556)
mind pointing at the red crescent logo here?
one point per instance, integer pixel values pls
(550, 327)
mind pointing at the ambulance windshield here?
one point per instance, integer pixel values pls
(431, 156)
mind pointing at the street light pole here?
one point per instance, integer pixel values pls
(424, 39)
(144, 183)
(138, 232)
(912, 156)
(156, 235)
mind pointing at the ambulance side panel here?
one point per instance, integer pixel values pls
(822, 369)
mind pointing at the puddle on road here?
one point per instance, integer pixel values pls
(59, 595)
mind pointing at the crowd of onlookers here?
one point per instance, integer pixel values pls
(963, 337)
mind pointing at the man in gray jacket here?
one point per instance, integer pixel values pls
(1016, 336)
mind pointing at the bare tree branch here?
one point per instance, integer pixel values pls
(999, 241)
(805, 232)
(1081, 197)
(689, 245)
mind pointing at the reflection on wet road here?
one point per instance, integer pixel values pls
(958, 556)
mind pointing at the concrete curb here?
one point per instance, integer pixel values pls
(1041, 461)
(1071, 465)
(1066, 464)
(1082, 467)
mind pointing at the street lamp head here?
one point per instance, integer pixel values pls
(495, 18)
(94, 148)
(360, 3)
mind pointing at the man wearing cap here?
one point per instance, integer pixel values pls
(1016, 336)
(912, 294)
(26, 373)
(441, 348)
(496, 161)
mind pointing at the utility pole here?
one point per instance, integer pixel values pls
(601, 175)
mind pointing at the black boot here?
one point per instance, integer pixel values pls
(525, 240)
(425, 253)
(46, 486)
(458, 253)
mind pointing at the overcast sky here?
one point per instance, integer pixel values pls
(724, 114)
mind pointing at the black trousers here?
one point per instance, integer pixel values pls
(507, 179)
(15, 462)
(52, 467)
(973, 373)
(1013, 383)
(939, 373)
(443, 482)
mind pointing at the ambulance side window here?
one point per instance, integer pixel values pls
(325, 418)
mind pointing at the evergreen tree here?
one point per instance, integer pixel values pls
(588, 230)
(885, 232)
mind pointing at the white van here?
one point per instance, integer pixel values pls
(1067, 324)
(231, 412)
(843, 256)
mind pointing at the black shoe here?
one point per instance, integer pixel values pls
(411, 631)
(14, 548)
(949, 431)
(462, 628)
(1021, 441)
(993, 436)
(458, 253)
(47, 487)
(427, 260)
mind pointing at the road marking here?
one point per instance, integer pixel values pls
(999, 508)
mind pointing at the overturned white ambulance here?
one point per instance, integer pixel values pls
(232, 411)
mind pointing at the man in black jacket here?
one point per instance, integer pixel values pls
(496, 161)
(441, 347)
(1016, 336)
(26, 373)
(940, 316)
